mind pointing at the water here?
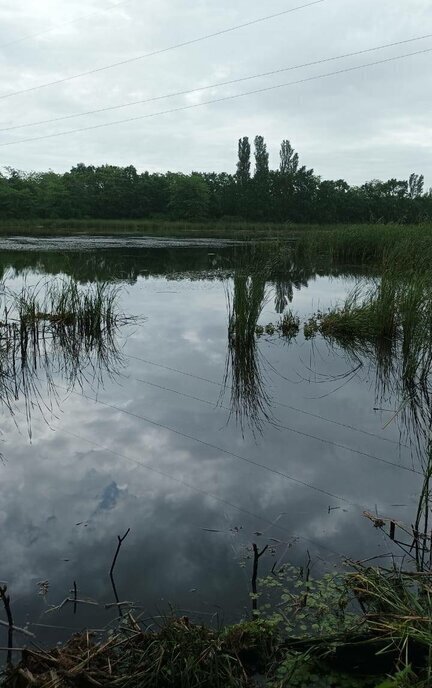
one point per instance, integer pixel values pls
(152, 446)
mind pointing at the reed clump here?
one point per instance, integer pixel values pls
(367, 245)
(64, 303)
(376, 620)
(288, 326)
(179, 654)
(55, 332)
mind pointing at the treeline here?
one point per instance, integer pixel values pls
(292, 193)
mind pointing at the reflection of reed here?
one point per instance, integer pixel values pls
(52, 331)
(249, 400)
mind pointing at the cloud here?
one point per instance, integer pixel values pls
(360, 125)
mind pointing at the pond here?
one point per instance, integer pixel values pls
(172, 437)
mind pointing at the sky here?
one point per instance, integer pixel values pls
(365, 124)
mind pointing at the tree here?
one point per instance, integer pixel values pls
(261, 159)
(189, 197)
(243, 164)
(260, 201)
(415, 185)
(289, 159)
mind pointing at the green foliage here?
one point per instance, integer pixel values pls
(290, 194)
(189, 197)
(288, 326)
(243, 164)
(302, 670)
(308, 607)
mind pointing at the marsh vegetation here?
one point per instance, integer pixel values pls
(299, 628)
(55, 335)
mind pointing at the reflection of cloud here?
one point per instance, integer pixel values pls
(110, 497)
(59, 481)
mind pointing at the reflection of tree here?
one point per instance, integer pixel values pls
(284, 294)
(42, 349)
(194, 262)
(249, 400)
(402, 383)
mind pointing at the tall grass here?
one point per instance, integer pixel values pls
(249, 400)
(363, 244)
(56, 332)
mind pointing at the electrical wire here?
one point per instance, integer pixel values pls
(163, 50)
(205, 493)
(59, 26)
(294, 430)
(204, 443)
(277, 403)
(182, 108)
(215, 85)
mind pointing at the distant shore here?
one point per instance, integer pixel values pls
(205, 229)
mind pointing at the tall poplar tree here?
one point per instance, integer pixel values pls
(243, 164)
(261, 198)
(261, 159)
(289, 159)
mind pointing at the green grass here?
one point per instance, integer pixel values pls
(288, 326)
(178, 655)
(310, 637)
(56, 332)
(362, 244)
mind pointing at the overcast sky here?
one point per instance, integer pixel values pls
(371, 123)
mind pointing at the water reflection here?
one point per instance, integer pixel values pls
(193, 509)
(244, 376)
(55, 334)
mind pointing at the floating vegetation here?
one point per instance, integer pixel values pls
(312, 633)
(288, 326)
(379, 619)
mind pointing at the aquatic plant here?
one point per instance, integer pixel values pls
(288, 326)
(249, 401)
(56, 332)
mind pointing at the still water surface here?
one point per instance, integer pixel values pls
(153, 446)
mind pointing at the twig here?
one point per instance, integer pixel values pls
(307, 577)
(111, 573)
(6, 602)
(66, 601)
(75, 597)
(18, 629)
(257, 555)
(126, 603)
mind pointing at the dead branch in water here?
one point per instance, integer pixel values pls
(256, 558)
(6, 602)
(111, 573)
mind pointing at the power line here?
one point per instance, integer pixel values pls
(198, 490)
(216, 85)
(277, 403)
(216, 100)
(163, 50)
(245, 459)
(294, 430)
(59, 26)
